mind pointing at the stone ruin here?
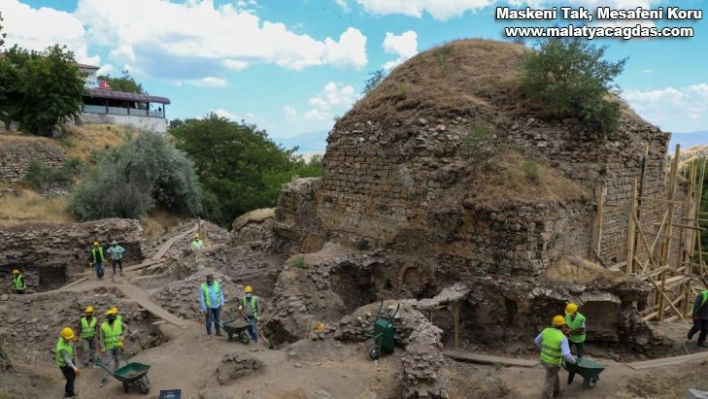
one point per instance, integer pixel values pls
(49, 254)
(424, 188)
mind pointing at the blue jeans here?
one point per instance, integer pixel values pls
(99, 269)
(253, 329)
(213, 315)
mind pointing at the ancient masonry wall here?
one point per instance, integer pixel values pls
(52, 251)
(379, 184)
(16, 155)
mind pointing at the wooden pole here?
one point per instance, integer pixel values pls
(631, 228)
(602, 192)
(699, 199)
(666, 248)
(687, 244)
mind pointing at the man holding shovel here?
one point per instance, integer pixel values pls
(211, 298)
(250, 307)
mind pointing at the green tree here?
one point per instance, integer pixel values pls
(41, 89)
(239, 167)
(376, 78)
(131, 179)
(570, 79)
(124, 83)
(2, 34)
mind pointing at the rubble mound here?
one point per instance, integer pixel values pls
(213, 236)
(423, 373)
(457, 78)
(236, 365)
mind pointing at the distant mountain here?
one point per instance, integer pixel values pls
(306, 142)
(688, 140)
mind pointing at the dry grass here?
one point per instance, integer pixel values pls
(256, 216)
(513, 179)
(82, 141)
(463, 77)
(579, 270)
(29, 206)
(158, 223)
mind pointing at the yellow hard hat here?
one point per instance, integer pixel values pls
(111, 311)
(248, 289)
(89, 309)
(571, 308)
(196, 235)
(95, 243)
(558, 321)
(67, 333)
(15, 271)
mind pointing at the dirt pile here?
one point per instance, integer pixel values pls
(237, 365)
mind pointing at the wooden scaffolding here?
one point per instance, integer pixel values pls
(677, 275)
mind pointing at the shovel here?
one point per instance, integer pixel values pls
(270, 344)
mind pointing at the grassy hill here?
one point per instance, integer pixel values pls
(20, 204)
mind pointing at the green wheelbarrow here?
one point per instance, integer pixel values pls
(383, 334)
(589, 370)
(131, 375)
(239, 328)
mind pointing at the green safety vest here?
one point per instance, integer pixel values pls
(703, 302)
(19, 282)
(66, 346)
(111, 335)
(574, 325)
(88, 330)
(551, 346)
(254, 304)
(205, 290)
(198, 243)
(100, 251)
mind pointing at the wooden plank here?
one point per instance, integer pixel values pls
(485, 359)
(654, 273)
(668, 361)
(618, 266)
(141, 298)
(75, 283)
(143, 265)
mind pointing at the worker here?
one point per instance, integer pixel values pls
(88, 327)
(576, 326)
(251, 307)
(112, 331)
(64, 358)
(115, 251)
(18, 280)
(97, 259)
(197, 243)
(211, 297)
(700, 318)
(554, 347)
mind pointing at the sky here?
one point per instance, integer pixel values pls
(291, 66)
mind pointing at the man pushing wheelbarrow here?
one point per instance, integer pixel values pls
(554, 348)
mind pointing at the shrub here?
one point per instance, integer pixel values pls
(570, 79)
(530, 169)
(475, 145)
(130, 180)
(42, 178)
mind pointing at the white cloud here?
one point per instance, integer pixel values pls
(196, 39)
(646, 70)
(334, 95)
(677, 110)
(37, 29)
(444, 10)
(343, 4)
(106, 70)
(333, 100)
(209, 82)
(404, 46)
(226, 114)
